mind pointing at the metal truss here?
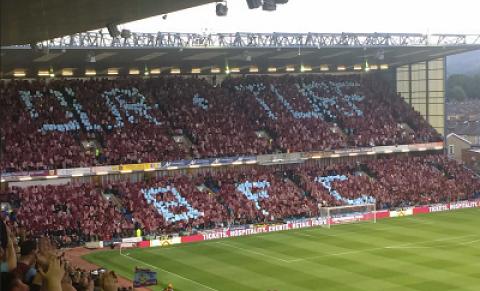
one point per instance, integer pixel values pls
(255, 40)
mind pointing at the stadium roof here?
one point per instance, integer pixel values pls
(165, 51)
(26, 21)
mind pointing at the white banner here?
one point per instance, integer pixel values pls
(75, 171)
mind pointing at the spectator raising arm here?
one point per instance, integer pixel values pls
(56, 270)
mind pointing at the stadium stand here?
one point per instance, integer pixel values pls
(215, 125)
(128, 124)
(184, 202)
(41, 132)
(134, 120)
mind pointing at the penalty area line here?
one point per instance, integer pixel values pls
(165, 271)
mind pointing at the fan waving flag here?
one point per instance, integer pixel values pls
(144, 277)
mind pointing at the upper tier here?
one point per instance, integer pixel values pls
(134, 120)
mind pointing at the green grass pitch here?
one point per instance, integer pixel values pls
(428, 252)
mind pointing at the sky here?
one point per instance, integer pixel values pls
(324, 16)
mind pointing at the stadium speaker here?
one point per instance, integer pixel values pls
(222, 9)
(90, 57)
(269, 5)
(246, 57)
(34, 47)
(126, 33)
(252, 4)
(113, 30)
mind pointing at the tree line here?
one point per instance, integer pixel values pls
(461, 87)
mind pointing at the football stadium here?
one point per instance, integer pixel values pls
(228, 161)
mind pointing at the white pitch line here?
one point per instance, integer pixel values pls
(302, 234)
(366, 230)
(382, 248)
(470, 242)
(176, 275)
(253, 252)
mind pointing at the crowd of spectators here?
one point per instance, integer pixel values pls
(37, 130)
(161, 205)
(37, 264)
(133, 119)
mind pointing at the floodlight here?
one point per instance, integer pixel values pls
(222, 9)
(252, 4)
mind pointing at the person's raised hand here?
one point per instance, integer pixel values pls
(56, 271)
(108, 281)
(45, 254)
(22, 233)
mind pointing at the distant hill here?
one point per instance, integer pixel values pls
(466, 63)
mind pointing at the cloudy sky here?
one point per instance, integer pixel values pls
(328, 16)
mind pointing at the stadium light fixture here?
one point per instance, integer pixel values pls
(3, 180)
(52, 75)
(341, 68)
(175, 71)
(373, 67)
(269, 5)
(90, 72)
(371, 153)
(324, 68)
(405, 150)
(290, 69)
(316, 157)
(52, 177)
(235, 70)
(439, 148)
(388, 152)
(194, 166)
(196, 71)
(367, 69)
(422, 149)
(215, 164)
(335, 156)
(67, 72)
(215, 70)
(149, 170)
(251, 162)
(134, 72)
(221, 9)
(237, 163)
(306, 69)
(112, 72)
(147, 73)
(25, 178)
(19, 74)
(353, 154)
(172, 168)
(43, 73)
(126, 171)
(383, 67)
(252, 4)
(272, 69)
(101, 173)
(77, 175)
(90, 58)
(254, 70)
(357, 67)
(155, 71)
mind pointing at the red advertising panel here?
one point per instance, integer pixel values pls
(191, 238)
(144, 244)
(419, 210)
